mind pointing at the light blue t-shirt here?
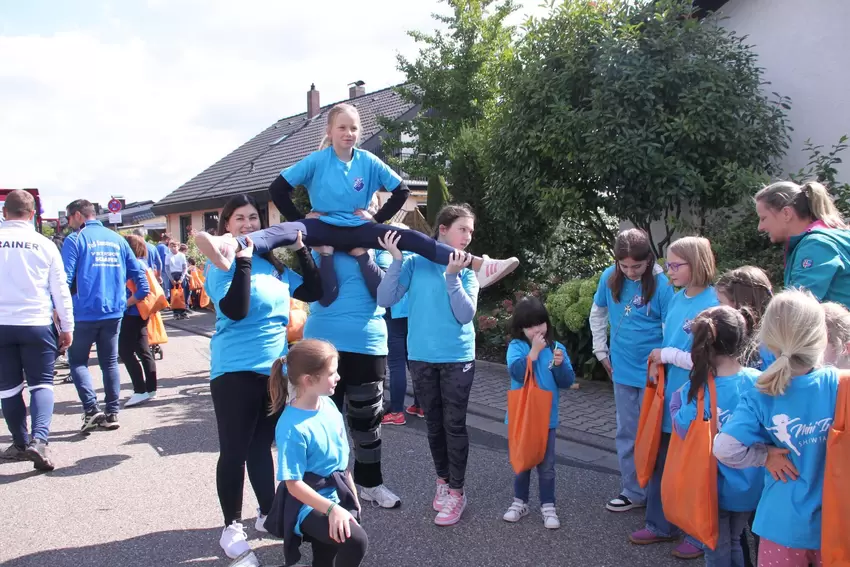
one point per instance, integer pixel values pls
(253, 343)
(384, 259)
(677, 334)
(353, 322)
(337, 188)
(548, 376)
(314, 442)
(635, 327)
(738, 490)
(789, 513)
(433, 333)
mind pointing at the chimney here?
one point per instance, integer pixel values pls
(313, 104)
(357, 88)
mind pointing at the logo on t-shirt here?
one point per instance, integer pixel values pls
(807, 263)
(359, 184)
(687, 326)
(795, 435)
(638, 301)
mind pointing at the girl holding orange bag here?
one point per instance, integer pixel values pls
(533, 339)
(783, 424)
(720, 338)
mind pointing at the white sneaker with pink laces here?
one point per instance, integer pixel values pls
(452, 510)
(440, 495)
(492, 270)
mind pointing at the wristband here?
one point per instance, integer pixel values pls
(331, 507)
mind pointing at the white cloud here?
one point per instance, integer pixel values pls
(139, 100)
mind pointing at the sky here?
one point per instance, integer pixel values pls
(101, 98)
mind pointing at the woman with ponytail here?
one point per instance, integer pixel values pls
(341, 179)
(782, 425)
(817, 239)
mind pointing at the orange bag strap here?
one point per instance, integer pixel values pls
(842, 404)
(659, 380)
(529, 380)
(712, 391)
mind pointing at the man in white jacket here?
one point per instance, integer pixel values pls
(34, 283)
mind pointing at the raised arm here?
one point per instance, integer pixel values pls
(281, 194)
(372, 273)
(311, 288)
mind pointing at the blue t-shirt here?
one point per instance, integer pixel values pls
(314, 442)
(433, 333)
(353, 322)
(251, 344)
(677, 334)
(635, 327)
(765, 358)
(789, 513)
(153, 260)
(337, 188)
(384, 259)
(548, 376)
(738, 490)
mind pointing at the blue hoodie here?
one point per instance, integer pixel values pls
(101, 262)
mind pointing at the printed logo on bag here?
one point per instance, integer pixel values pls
(687, 326)
(359, 184)
(638, 301)
(807, 263)
(794, 434)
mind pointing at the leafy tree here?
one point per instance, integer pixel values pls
(634, 110)
(438, 195)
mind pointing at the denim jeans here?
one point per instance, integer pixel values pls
(729, 552)
(627, 400)
(545, 476)
(397, 361)
(104, 334)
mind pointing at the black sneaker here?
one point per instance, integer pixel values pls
(14, 453)
(37, 453)
(91, 420)
(110, 421)
(622, 504)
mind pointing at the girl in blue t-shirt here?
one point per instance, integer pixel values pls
(690, 265)
(341, 179)
(252, 312)
(721, 338)
(441, 347)
(533, 340)
(783, 425)
(632, 300)
(748, 289)
(310, 438)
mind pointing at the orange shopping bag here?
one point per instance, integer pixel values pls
(297, 318)
(529, 409)
(196, 283)
(689, 484)
(177, 299)
(648, 437)
(156, 330)
(154, 301)
(835, 525)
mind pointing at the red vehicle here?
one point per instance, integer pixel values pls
(38, 210)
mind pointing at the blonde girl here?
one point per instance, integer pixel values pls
(838, 335)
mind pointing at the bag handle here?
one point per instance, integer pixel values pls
(529, 373)
(712, 390)
(659, 381)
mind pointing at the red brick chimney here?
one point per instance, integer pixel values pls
(357, 88)
(313, 104)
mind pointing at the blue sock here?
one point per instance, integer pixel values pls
(41, 412)
(15, 413)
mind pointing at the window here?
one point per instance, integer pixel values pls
(185, 225)
(211, 221)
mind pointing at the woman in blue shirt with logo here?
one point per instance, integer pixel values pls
(341, 180)
(782, 425)
(252, 312)
(632, 298)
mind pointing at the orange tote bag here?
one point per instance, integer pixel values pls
(835, 525)
(156, 330)
(689, 484)
(177, 299)
(648, 438)
(154, 301)
(529, 409)
(297, 319)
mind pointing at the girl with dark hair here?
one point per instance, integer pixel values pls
(533, 341)
(252, 313)
(441, 347)
(632, 299)
(720, 339)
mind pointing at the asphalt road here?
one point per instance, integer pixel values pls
(144, 495)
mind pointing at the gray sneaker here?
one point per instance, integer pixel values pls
(14, 453)
(91, 420)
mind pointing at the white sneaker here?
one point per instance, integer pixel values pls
(151, 395)
(136, 399)
(518, 510)
(492, 270)
(260, 524)
(380, 495)
(550, 517)
(221, 250)
(440, 495)
(233, 540)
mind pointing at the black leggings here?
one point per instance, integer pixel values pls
(318, 233)
(350, 553)
(245, 435)
(132, 343)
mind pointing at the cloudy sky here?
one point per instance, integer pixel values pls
(135, 97)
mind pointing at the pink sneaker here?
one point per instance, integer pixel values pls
(452, 509)
(391, 418)
(687, 550)
(646, 537)
(441, 495)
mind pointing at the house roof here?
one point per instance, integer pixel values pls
(253, 166)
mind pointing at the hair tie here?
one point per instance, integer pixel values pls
(785, 356)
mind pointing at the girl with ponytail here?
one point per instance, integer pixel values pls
(782, 425)
(817, 239)
(720, 338)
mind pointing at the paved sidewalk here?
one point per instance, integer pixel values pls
(587, 411)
